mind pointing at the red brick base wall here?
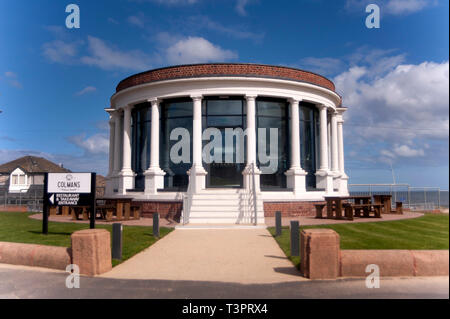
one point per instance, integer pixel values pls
(170, 210)
(290, 209)
(11, 208)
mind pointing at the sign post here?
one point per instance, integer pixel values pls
(69, 189)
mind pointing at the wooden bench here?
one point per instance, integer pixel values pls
(348, 211)
(135, 211)
(107, 211)
(319, 210)
(366, 209)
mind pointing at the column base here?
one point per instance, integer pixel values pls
(336, 179)
(324, 180)
(248, 178)
(296, 180)
(126, 181)
(343, 185)
(197, 178)
(154, 180)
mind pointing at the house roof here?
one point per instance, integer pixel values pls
(32, 164)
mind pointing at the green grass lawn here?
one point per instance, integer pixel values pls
(427, 232)
(19, 228)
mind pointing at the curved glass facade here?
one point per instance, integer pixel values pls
(273, 154)
(176, 118)
(141, 129)
(227, 117)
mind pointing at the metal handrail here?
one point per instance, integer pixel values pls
(255, 200)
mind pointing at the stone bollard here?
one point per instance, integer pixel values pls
(320, 250)
(91, 251)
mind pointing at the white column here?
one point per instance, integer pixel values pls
(334, 145)
(111, 144)
(343, 184)
(295, 175)
(154, 176)
(117, 152)
(126, 174)
(197, 173)
(251, 146)
(324, 178)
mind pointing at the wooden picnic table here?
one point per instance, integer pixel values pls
(335, 204)
(384, 201)
(122, 207)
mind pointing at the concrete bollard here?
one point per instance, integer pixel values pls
(295, 238)
(117, 231)
(277, 224)
(91, 251)
(156, 225)
(320, 250)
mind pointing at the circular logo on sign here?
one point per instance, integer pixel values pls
(69, 177)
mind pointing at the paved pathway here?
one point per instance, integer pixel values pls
(220, 255)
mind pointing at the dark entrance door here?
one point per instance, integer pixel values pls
(226, 114)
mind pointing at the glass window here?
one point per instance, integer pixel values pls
(308, 138)
(22, 179)
(141, 142)
(224, 107)
(175, 114)
(14, 179)
(273, 114)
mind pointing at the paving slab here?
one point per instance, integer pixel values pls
(246, 256)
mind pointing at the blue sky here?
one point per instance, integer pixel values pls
(55, 82)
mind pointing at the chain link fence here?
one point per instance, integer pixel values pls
(32, 198)
(414, 198)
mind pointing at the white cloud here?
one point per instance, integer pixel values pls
(59, 51)
(240, 7)
(392, 7)
(108, 57)
(12, 79)
(137, 20)
(197, 50)
(95, 144)
(322, 66)
(399, 110)
(86, 90)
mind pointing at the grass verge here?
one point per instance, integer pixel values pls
(427, 232)
(19, 228)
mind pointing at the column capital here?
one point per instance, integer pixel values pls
(197, 97)
(251, 97)
(128, 107)
(294, 100)
(322, 107)
(154, 100)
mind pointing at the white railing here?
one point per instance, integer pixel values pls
(415, 198)
(187, 204)
(255, 200)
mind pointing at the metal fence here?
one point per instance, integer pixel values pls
(414, 198)
(32, 199)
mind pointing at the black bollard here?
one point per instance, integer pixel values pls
(295, 238)
(277, 224)
(117, 241)
(156, 225)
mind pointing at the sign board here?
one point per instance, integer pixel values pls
(69, 189)
(69, 183)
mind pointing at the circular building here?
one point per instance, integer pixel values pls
(226, 143)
